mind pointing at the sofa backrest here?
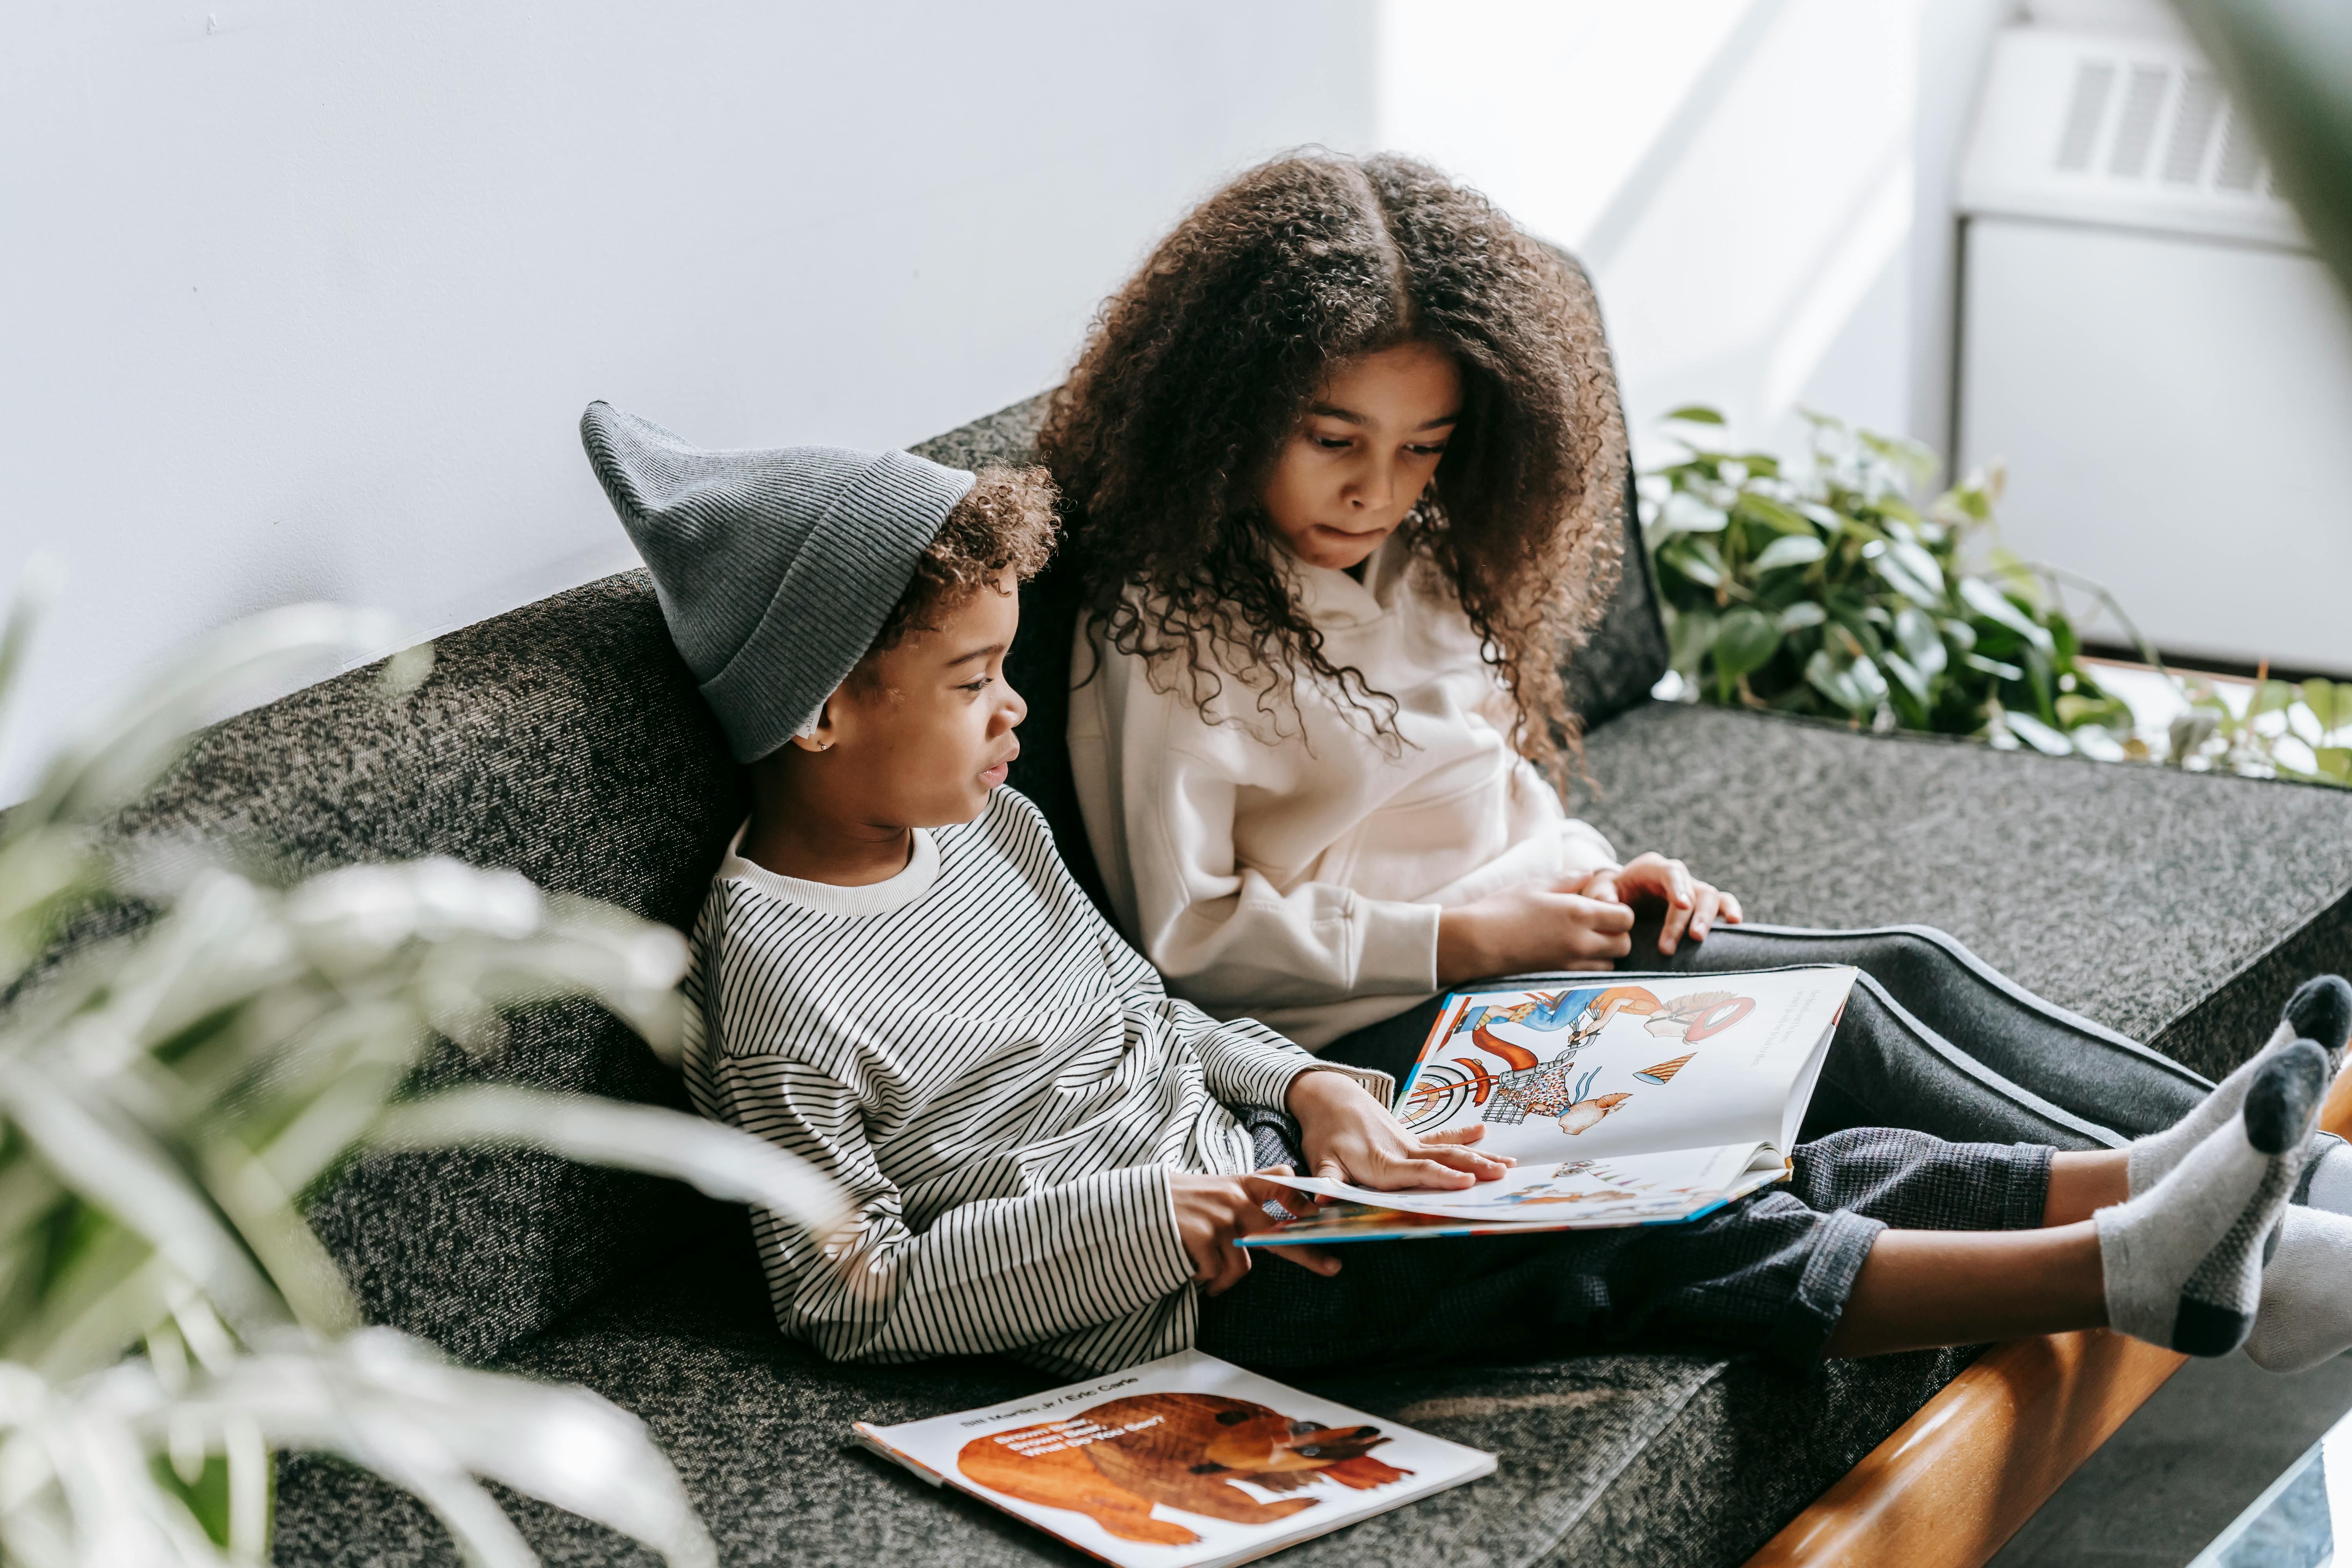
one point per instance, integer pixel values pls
(565, 739)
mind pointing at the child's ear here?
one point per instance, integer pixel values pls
(821, 737)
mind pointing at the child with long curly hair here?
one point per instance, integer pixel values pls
(1342, 468)
(1345, 461)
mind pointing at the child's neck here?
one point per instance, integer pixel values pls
(796, 836)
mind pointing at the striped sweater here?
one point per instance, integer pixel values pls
(998, 1081)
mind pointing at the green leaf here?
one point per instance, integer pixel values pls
(1908, 675)
(1744, 640)
(1913, 461)
(2076, 711)
(2334, 763)
(1694, 414)
(1992, 604)
(1803, 613)
(1992, 667)
(1916, 635)
(1855, 686)
(1772, 514)
(2037, 735)
(1919, 563)
(2330, 702)
(2270, 697)
(1696, 559)
(1898, 575)
(1688, 637)
(1684, 513)
(1791, 550)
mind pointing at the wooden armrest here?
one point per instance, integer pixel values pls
(1958, 1480)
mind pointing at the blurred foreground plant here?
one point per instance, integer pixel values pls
(167, 1095)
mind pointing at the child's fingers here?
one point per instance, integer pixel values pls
(1471, 1134)
(1485, 1167)
(1732, 913)
(1315, 1260)
(1236, 1263)
(1703, 913)
(1670, 932)
(1403, 1174)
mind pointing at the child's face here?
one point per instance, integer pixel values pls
(1363, 453)
(924, 731)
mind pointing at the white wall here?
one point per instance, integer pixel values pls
(1761, 187)
(303, 301)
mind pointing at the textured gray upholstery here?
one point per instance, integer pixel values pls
(564, 739)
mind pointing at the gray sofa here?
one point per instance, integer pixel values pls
(565, 739)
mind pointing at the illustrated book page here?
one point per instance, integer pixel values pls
(1632, 1099)
(1184, 1462)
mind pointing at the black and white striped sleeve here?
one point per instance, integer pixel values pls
(1246, 1064)
(990, 1274)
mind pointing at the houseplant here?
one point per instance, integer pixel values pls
(169, 1093)
(1823, 589)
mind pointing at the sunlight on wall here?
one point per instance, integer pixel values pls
(1740, 176)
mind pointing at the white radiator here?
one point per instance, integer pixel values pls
(2148, 342)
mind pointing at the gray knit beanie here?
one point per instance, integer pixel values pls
(775, 568)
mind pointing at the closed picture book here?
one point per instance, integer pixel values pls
(1632, 1099)
(1183, 1462)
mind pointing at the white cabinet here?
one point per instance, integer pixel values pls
(2146, 342)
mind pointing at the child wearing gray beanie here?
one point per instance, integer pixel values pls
(775, 567)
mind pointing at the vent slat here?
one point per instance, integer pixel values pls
(2192, 129)
(2093, 80)
(2241, 157)
(2143, 105)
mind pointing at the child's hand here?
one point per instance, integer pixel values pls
(1533, 927)
(1349, 1136)
(1691, 905)
(1211, 1211)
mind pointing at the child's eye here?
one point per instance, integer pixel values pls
(980, 685)
(1436, 451)
(1333, 443)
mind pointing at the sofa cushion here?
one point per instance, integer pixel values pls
(1673, 1457)
(2177, 908)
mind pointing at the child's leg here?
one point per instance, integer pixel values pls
(2179, 1264)
(1921, 1290)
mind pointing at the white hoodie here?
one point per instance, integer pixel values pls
(1296, 876)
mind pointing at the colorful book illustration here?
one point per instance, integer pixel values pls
(1569, 1083)
(1184, 1462)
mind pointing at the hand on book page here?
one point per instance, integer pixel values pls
(1626, 1189)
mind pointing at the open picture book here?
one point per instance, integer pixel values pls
(1184, 1462)
(1630, 1100)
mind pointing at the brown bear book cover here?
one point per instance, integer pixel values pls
(1184, 1462)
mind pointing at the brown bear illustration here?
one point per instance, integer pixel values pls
(1113, 1460)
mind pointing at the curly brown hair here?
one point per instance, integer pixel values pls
(1198, 371)
(1005, 521)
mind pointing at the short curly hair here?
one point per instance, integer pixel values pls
(1005, 521)
(1200, 369)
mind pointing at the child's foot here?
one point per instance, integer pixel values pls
(2184, 1259)
(2320, 1010)
(2306, 1317)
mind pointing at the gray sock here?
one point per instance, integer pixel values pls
(2183, 1260)
(2306, 1312)
(2320, 1010)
